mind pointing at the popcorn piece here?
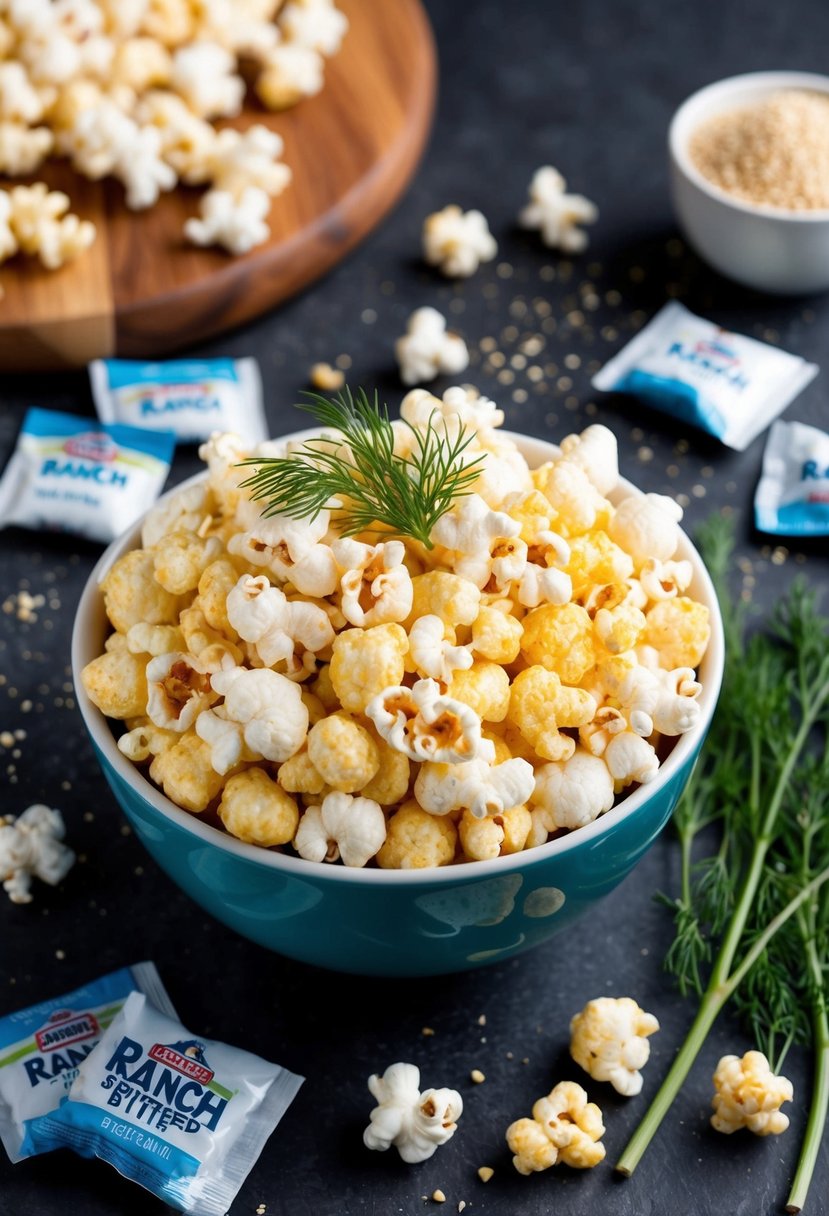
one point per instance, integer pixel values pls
(432, 654)
(619, 629)
(560, 638)
(290, 548)
(289, 73)
(427, 348)
(215, 585)
(679, 629)
(609, 1040)
(342, 827)
(116, 682)
(416, 840)
(454, 599)
(141, 64)
(313, 23)
(182, 511)
(540, 581)
(144, 741)
(187, 141)
(170, 21)
(225, 738)
(298, 775)
(186, 775)
(595, 559)
(365, 662)
(578, 506)
(245, 29)
(203, 75)
(141, 169)
(565, 1128)
(31, 846)
(326, 378)
(256, 809)
(495, 836)
(664, 580)
(540, 705)
(459, 407)
(179, 690)
(457, 241)
(237, 224)
(180, 558)
(481, 788)
(630, 758)
(485, 543)
(268, 706)
(748, 1094)
(596, 452)
(212, 648)
(23, 149)
(645, 526)
(677, 709)
(415, 1123)
(154, 639)
(484, 687)
(557, 214)
(390, 783)
(40, 224)
(283, 631)
(240, 160)
(423, 724)
(496, 636)
(573, 792)
(19, 101)
(343, 753)
(376, 587)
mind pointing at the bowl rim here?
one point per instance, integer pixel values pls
(682, 123)
(682, 752)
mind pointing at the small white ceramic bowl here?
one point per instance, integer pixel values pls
(772, 250)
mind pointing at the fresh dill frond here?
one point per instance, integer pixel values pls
(357, 466)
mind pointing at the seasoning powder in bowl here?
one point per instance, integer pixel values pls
(773, 152)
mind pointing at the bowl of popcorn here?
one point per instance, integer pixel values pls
(400, 698)
(749, 159)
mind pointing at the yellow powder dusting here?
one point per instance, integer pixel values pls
(775, 152)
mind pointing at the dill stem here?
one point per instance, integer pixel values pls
(714, 997)
(820, 1087)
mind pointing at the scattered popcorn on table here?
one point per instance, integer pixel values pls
(557, 214)
(609, 1040)
(34, 220)
(565, 1128)
(428, 348)
(415, 1123)
(368, 700)
(748, 1094)
(457, 241)
(31, 846)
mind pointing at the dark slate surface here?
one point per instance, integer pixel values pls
(589, 87)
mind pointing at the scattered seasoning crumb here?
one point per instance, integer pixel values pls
(461, 1205)
(526, 1060)
(326, 378)
(485, 1172)
(510, 1055)
(427, 1031)
(60, 955)
(343, 362)
(438, 1196)
(482, 1020)
(6, 739)
(260, 1211)
(477, 1076)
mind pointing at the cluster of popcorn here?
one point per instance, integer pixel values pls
(131, 88)
(373, 700)
(31, 846)
(36, 220)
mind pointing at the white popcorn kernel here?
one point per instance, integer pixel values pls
(179, 689)
(483, 789)
(237, 224)
(290, 548)
(574, 792)
(203, 73)
(314, 24)
(376, 587)
(182, 511)
(557, 214)
(8, 241)
(630, 758)
(282, 630)
(646, 527)
(289, 73)
(353, 829)
(415, 1123)
(31, 846)
(268, 706)
(20, 102)
(224, 737)
(664, 580)
(142, 171)
(423, 724)
(432, 654)
(486, 546)
(23, 149)
(239, 160)
(595, 451)
(609, 1040)
(677, 709)
(457, 241)
(41, 226)
(460, 407)
(428, 348)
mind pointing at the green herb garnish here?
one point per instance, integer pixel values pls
(404, 495)
(752, 917)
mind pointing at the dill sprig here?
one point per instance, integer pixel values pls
(357, 466)
(752, 917)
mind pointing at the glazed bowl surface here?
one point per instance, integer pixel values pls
(767, 248)
(394, 922)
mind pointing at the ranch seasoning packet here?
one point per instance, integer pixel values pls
(183, 1116)
(70, 474)
(42, 1048)
(726, 384)
(191, 397)
(792, 496)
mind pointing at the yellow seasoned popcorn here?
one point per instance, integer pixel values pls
(256, 809)
(555, 655)
(364, 662)
(415, 839)
(560, 638)
(679, 630)
(343, 752)
(565, 1128)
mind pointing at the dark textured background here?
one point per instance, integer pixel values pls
(589, 87)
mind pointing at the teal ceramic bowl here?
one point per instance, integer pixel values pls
(394, 922)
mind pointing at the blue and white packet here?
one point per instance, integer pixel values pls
(183, 1116)
(42, 1048)
(726, 384)
(191, 397)
(70, 474)
(792, 497)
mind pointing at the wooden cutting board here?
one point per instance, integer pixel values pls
(141, 291)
